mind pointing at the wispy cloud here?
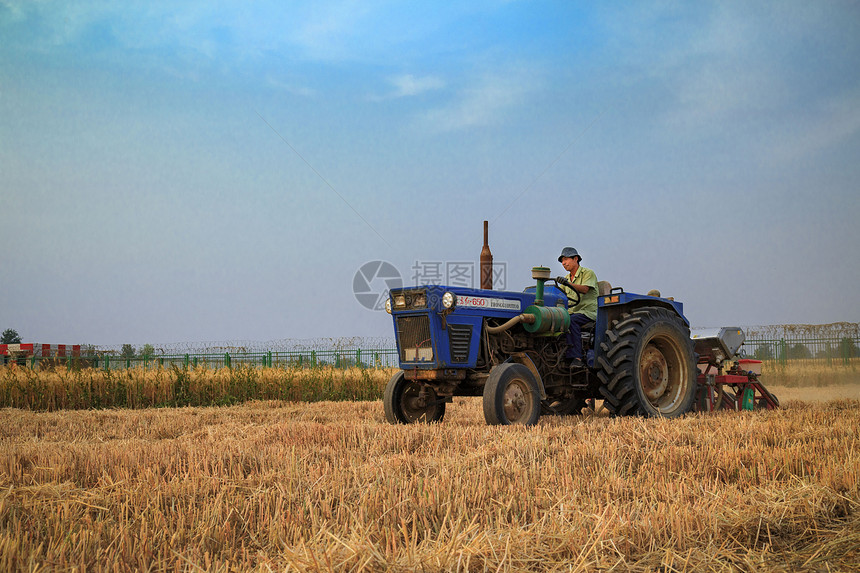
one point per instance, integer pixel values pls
(833, 123)
(485, 102)
(747, 76)
(328, 31)
(408, 85)
(291, 88)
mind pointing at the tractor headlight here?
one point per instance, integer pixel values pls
(399, 301)
(449, 299)
(388, 305)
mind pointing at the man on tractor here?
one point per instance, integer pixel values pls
(581, 302)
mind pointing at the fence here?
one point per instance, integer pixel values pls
(348, 358)
(336, 353)
(826, 344)
(829, 344)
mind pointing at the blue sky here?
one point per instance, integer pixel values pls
(219, 171)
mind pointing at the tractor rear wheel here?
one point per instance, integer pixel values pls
(511, 396)
(407, 402)
(646, 366)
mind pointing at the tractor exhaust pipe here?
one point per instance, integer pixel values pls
(486, 261)
(524, 318)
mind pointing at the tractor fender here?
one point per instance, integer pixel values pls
(523, 358)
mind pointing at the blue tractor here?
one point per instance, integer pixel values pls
(509, 347)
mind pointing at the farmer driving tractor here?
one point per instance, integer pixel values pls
(581, 302)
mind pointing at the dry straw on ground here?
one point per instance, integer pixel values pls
(330, 487)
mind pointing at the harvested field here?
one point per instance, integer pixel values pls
(329, 486)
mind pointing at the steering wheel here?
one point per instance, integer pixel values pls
(568, 284)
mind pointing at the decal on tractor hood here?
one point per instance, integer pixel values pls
(484, 302)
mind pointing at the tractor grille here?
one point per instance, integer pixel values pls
(460, 337)
(413, 334)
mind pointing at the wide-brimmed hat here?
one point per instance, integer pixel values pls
(568, 252)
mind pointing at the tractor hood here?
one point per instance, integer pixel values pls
(439, 326)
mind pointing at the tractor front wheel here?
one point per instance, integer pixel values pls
(646, 366)
(407, 402)
(511, 396)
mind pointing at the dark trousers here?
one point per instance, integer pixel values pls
(574, 335)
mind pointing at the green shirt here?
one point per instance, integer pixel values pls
(587, 302)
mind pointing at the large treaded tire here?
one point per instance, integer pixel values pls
(402, 406)
(511, 396)
(646, 366)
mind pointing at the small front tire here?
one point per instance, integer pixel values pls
(406, 402)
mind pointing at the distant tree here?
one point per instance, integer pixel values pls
(127, 351)
(799, 351)
(764, 352)
(847, 348)
(10, 336)
(147, 350)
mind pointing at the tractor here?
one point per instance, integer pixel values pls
(509, 347)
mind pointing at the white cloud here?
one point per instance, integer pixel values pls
(485, 102)
(294, 89)
(328, 31)
(834, 122)
(409, 85)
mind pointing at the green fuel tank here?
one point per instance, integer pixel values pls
(548, 319)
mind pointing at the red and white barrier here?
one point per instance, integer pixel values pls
(40, 350)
